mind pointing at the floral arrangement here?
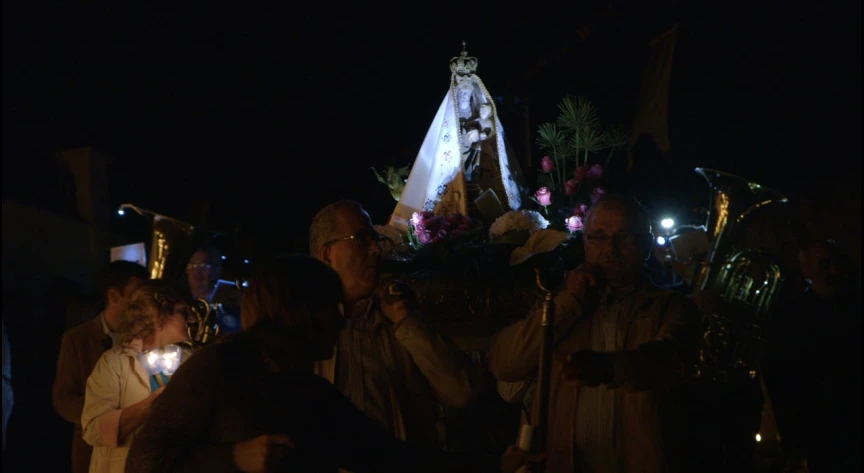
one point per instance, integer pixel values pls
(426, 228)
(569, 182)
(518, 225)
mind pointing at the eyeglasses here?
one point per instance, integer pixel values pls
(362, 239)
(194, 266)
(619, 239)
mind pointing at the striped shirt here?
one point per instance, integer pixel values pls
(595, 409)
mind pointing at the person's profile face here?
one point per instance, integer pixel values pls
(357, 261)
(122, 297)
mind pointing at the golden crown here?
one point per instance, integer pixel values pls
(463, 65)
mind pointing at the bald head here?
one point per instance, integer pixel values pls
(631, 210)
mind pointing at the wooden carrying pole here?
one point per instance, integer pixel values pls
(547, 322)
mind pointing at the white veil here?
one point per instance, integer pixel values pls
(437, 181)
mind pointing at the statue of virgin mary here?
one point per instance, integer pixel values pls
(463, 155)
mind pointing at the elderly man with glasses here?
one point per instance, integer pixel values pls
(623, 346)
(389, 360)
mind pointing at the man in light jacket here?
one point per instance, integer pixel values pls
(622, 347)
(390, 361)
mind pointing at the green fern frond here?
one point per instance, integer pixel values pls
(576, 113)
(616, 137)
(588, 138)
(551, 138)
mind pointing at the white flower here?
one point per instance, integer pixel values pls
(415, 218)
(529, 220)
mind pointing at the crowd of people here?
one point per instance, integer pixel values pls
(331, 370)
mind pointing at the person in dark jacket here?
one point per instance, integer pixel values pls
(252, 403)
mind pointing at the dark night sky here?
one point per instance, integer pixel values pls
(276, 113)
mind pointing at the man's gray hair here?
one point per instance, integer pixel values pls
(632, 208)
(325, 222)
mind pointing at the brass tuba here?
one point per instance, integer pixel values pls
(745, 281)
(172, 240)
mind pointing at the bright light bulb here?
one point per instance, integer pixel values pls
(121, 212)
(661, 241)
(246, 261)
(758, 437)
(245, 284)
(152, 358)
(224, 258)
(667, 223)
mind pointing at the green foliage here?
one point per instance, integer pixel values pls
(394, 179)
(577, 133)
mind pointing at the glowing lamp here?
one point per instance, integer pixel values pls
(661, 241)
(121, 212)
(162, 360)
(246, 261)
(758, 438)
(667, 223)
(245, 284)
(224, 258)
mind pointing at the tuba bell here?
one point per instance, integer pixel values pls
(171, 241)
(745, 282)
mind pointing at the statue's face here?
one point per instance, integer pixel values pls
(464, 94)
(485, 111)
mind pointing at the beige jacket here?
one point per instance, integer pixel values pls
(662, 335)
(80, 350)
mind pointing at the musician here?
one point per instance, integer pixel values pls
(622, 347)
(812, 366)
(252, 403)
(124, 383)
(81, 347)
(203, 270)
(389, 360)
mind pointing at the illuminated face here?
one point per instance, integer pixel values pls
(612, 242)
(485, 111)
(357, 260)
(203, 269)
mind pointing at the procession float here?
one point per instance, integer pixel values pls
(481, 247)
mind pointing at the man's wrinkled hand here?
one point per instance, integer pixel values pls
(396, 300)
(584, 368)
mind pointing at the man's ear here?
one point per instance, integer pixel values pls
(324, 254)
(113, 295)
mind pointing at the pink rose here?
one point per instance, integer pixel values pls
(580, 173)
(597, 193)
(424, 236)
(543, 196)
(571, 186)
(573, 223)
(580, 210)
(596, 172)
(547, 164)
